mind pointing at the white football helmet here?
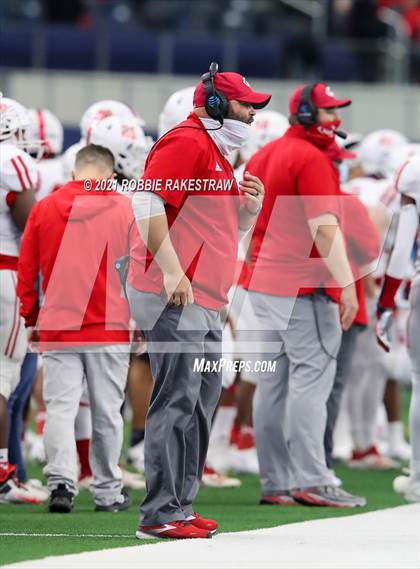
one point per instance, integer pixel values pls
(402, 154)
(267, 126)
(176, 109)
(69, 157)
(14, 127)
(127, 142)
(107, 108)
(46, 127)
(14, 119)
(375, 151)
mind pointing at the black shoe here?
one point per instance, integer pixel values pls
(116, 506)
(61, 500)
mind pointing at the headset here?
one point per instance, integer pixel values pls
(216, 104)
(307, 113)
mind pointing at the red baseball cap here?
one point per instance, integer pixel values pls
(322, 97)
(233, 86)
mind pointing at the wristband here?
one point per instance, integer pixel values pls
(388, 292)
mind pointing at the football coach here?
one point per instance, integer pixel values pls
(180, 273)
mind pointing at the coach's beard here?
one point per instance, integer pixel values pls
(230, 137)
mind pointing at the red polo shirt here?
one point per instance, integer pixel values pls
(300, 184)
(203, 220)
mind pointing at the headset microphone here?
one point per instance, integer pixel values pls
(341, 134)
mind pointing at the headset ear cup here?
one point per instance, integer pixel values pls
(212, 106)
(224, 104)
(217, 106)
(307, 113)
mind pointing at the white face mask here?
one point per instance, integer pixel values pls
(230, 137)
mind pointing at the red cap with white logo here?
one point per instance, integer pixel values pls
(233, 86)
(322, 96)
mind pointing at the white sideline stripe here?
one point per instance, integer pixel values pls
(385, 539)
(27, 534)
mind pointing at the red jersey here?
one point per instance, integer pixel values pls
(300, 184)
(202, 214)
(73, 238)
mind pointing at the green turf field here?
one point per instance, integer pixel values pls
(235, 510)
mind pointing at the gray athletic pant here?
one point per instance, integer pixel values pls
(105, 369)
(342, 376)
(413, 340)
(182, 404)
(290, 405)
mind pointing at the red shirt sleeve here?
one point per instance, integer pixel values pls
(175, 158)
(317, 184)
(28, 269)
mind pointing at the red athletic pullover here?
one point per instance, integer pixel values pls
(72, 239)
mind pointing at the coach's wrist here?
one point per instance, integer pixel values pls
(256, 210)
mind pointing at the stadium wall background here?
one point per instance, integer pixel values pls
(68, 94)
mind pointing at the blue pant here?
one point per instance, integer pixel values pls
(16, 405)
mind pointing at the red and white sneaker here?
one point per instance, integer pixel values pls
(199, 522)
(213, 479)
(328, 496)
(14, 492)
(133, 480)
(38, 489)
(7, 471)
(371, 459)
(283, 499)
(173, 530)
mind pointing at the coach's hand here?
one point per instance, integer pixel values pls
(349, 306)
(178, 289)
(253, 190)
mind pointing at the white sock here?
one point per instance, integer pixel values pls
(395, 433)
(222, 424)
(4, 456)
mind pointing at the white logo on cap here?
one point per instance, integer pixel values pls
(329, 92)
(246, 82)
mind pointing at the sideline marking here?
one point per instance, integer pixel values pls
(371, 539)
(13, 534)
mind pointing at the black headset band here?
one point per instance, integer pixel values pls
(307, 112)
(216, 103)
(306, 95)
